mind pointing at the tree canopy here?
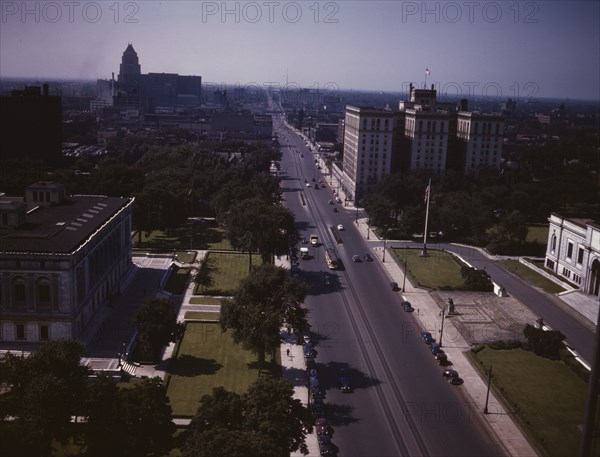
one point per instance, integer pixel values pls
(265, 301)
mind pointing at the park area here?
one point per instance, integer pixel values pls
(440, 270)
(226, 270)
(545, 395)
(207, 358)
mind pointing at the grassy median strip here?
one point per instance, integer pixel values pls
(439, 270)
(526, 273)
(228, 268)
(545, 394)
(206, 359)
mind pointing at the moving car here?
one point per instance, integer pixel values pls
(367, 257)
(356, 258)
(327, 280)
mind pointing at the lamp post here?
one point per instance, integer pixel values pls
(368, 227)
(442, 328)
(405, 271)
(487, 395)
(383, 257)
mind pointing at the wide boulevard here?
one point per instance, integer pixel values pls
(401, 405)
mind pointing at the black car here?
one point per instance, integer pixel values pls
(456, 381)
(318, 408)
(427, 338)
(435, 348)
(367, 258)
(450, 373)
(323, 427)
(316, 392)
(344, 384)
(407, 306)
(356, 258)
(327, 449)
(394, 286)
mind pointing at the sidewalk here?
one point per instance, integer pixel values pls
(427, 312)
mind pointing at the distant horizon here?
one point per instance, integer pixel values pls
(515, 50)
(292, 85)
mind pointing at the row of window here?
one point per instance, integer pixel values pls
(18, 295)
(21, 335)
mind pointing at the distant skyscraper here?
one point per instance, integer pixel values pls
(130, 69)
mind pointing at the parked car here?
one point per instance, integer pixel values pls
(316, 392)
(394, 286)
(407, 306)
(318, 408)
(344, 384)
(327, 449)
(367, 257)
(323, 427)
(356, 258)
(427, 338)
(456, 381)
(450, 373)
(327, 280)
(435, 348)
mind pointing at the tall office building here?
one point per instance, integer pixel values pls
(480, 139)
(153, 90)
(426, 130)
(368, 143)
(130, 69)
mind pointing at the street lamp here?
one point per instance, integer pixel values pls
(405, 271)
(383, 258)
(368, 227)
(442, 328)
(487, 395)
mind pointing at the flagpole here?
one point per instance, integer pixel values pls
(427, 196)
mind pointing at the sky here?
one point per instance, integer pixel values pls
(496, 49)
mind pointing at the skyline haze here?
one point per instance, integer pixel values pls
(547, 49)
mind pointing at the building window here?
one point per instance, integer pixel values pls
(550, 264)
(580, 256)
(19, 292)
(570, 250)
(20, 330)
(44, 332)
(553, 243)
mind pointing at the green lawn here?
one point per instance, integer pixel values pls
(205, 301)
(203, 236)
(228, 269)
(437, 271)
(207, 315)
(185, 256)
(529, 275)
(547, 395)
(206, 359)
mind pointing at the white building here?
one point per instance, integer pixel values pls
(480, 139)
(573, 251)
(368, 138)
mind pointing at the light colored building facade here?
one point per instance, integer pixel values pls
(573, 251)
(61, 263)
(480, 138)
(368, 141)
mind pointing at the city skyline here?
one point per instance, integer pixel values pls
(497, 50)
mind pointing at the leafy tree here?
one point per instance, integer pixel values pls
(266, 300)
(47, 388)
(203, 276)
(272, 410)
(265, 421)
(476, 280)
(545, 343)
(253, 225)
(145, 420)
(103, 429)
(156, 324)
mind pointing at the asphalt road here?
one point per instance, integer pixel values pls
(401, 406)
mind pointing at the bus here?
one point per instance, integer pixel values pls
(333, 262)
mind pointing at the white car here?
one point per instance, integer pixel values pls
(307, 184)
(340, 227)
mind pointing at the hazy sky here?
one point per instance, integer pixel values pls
(504, 48)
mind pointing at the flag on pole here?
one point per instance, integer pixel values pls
(427, 194)
(427, 72)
